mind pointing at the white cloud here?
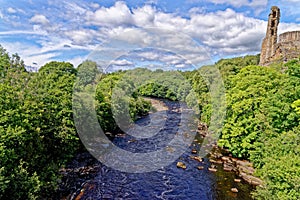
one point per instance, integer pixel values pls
(74, 7)
(15, 10)
(149, 55)
(196, 10)
(180, 66)
(240, 3)
(95, 5)
(46, 51)
(39, 19)
(290, 7)
(81, 37)
(227, 31)
(223, 31)
(230, 2)
(284, 27)
(144, 16)
(11, 10)
(117, 15)
(77, 60)
(27, 53)
(257, 5)
(152, 2)
(20, 32)
(129, 35)
(122, 62)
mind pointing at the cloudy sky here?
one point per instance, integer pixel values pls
(178, 32)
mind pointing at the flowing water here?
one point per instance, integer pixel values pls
(167, 182)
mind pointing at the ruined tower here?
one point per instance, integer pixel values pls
(269, 43)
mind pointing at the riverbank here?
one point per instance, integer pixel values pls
(222, 157)
(75, 175)
(243, 168)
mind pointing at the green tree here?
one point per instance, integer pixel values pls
(246, 119)
(87, 72)
(36, 127)
(281, 171)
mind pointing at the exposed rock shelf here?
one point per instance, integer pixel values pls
(243, 168)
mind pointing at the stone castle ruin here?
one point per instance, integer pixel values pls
(284, 48)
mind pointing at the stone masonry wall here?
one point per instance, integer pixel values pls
(287, 47)
(289, 36)
(268, 48)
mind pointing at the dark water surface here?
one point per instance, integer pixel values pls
(167, 182)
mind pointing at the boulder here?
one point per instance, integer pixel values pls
(227, 169)
(245, 169)
(194, 151)
(181, 165)
(215, 161)
(251, 179)
(235, 190)
(225, 158)
(197, 158)
(212, 169)
(170, 149)
(237, 180)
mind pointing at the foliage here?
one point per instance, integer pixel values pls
(87, 72)
(230, 67)
(296, 106)
(201, 89)
(164, 84)
(293, 67)
(36, 128)
(245, 114)
(125, 102)
(281, 170)
(262, 125)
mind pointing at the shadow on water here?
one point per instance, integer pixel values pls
(168, 182)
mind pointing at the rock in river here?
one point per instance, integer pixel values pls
(181, 165)
(194, 151)
(197, 158)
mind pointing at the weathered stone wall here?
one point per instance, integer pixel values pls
(287, 47)
(289, 36)
(269, 43)
(287, 50)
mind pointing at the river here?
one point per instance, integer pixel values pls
(169, 182)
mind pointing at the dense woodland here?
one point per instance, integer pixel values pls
(38, 135)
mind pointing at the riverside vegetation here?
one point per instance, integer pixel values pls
(38, 135)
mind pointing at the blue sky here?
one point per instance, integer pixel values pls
(197, 31)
